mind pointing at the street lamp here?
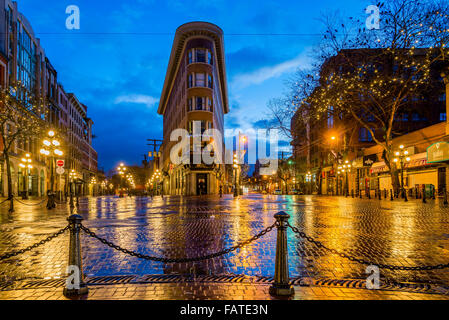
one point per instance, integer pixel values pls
(235, 166)
(402, 157)
(93, 182)
(26, 164)
(346, 169)
(121, 171)
(309, 180)
(72, 177)
(51, 148)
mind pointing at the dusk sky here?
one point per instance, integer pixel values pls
(119, 75)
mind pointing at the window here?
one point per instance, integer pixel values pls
(209, 57)
(190, 57)
(443, 116)
(200, 55)
(330, 119)
(200, 80)
(190, 104)
(199, 103)
(190, 81)
(442, 97)
(365, 135)
(209, 104)
(209, 81)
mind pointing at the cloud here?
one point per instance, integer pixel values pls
(149, 101)
(261, 75)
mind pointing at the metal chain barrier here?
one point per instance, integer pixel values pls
(30, 204)
(38, 244)
(7, 199)
(180, 260)
(361, 261)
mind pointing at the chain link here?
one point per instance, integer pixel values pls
(29, 248)
(179, 260)
(361, 261)
(30, 204)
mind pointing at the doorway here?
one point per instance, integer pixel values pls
(201, 183)
(441, 179)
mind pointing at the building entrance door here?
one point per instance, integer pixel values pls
(441, 179)
(201, 183)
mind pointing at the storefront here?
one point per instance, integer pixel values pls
(417, 172)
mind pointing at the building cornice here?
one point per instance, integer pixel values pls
(184, 33)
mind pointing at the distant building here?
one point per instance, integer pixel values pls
(195, 89)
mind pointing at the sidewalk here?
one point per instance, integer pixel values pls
(214, 291)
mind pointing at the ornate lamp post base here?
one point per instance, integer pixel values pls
(281, 290)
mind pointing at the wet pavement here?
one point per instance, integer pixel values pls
(383, 231)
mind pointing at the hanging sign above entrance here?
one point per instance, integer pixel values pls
(438, 152)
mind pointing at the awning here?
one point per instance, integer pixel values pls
(416, 160)
(378, 167)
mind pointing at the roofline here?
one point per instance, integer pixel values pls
(183, 34)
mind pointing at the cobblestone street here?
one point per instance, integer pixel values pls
(383, 231)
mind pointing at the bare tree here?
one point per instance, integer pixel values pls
(17, 123)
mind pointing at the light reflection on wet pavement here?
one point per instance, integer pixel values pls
(382, 231)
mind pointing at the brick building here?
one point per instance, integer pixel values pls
(195, 89)
(23, 60)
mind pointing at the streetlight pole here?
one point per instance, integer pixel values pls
(50, 148)
(26, 165)
(72, 176)
(309, 180)
(346, 169)
(121, 171)
(402, 157)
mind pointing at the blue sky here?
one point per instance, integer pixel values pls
(120, 76)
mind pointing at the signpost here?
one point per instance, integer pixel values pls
(60, 166)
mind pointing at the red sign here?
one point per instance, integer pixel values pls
(60, 163)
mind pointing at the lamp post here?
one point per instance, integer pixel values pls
(50, 148)
(402, 157)
(26, 164)
(72, 177)
(121, 171)
(346, 169)
(309, 180)
(235, 167)
(93, 182)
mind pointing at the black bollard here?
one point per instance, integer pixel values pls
(379, 194)
(385, 193)
(445, 196)
(405, 196)
(352, 193)
(391, 195)
(281, 285)
(368, 192)
(424, 195)
(75, 285)
(360, 193)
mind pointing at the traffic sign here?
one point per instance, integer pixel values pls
(60, 170)
(60, 163)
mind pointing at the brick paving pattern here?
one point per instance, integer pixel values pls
(392, 232)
